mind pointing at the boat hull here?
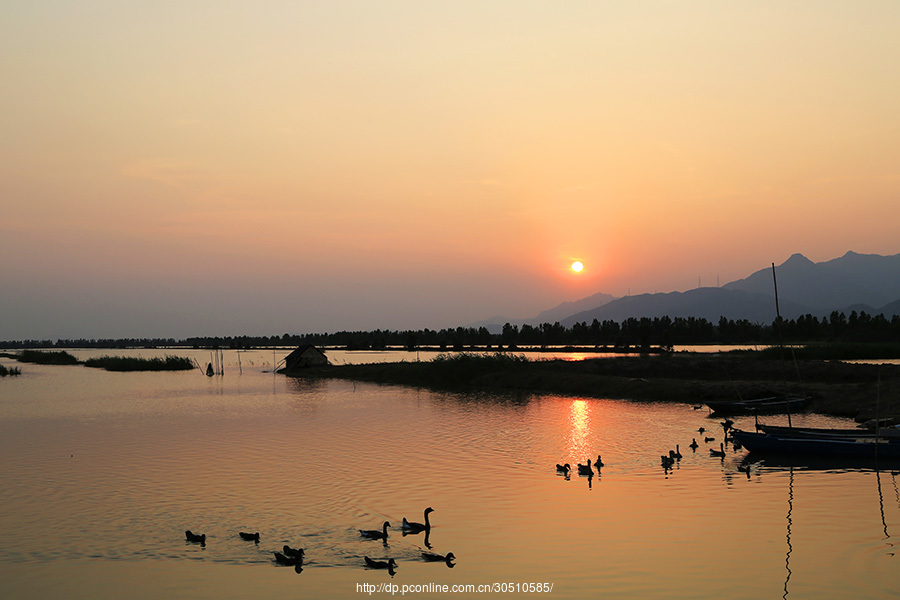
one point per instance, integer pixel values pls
(868, 448)
(762, 406)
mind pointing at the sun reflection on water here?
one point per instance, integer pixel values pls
(579, 428)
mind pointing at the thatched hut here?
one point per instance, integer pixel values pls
(305, 355)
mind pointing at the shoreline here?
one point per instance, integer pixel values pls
(836, 388)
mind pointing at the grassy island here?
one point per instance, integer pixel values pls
(837, 388)
(45, 357)
(129, 363)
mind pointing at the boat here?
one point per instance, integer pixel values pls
(883, 432)
(770, 406)
(864, 446)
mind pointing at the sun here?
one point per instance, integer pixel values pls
(577, 266)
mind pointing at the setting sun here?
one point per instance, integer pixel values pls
(577, 266)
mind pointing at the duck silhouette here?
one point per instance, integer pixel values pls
(720, 453)
(195, 538)
(564, 469)
(585, 469)
(250, 537)
(599, 462)
(435, 557)
(694, 445)
(292, 552)
(375, 534)
(380, 564)
(290, 561)
(408, 527)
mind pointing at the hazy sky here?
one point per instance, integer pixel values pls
(213, 167)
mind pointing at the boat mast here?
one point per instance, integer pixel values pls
(787, 397)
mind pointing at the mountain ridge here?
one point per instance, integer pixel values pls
(854, 281)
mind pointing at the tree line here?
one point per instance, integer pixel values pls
(664, 332)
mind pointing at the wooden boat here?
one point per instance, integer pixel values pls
(769, 406)
(865, 447)
(884, 432)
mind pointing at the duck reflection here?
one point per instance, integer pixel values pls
(390, 565)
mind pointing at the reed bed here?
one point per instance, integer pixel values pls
(5, 371)
(130, 363)
(44, 357)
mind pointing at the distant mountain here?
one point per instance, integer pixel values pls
(888, 310)
(869, 279)
(707, 303)
(852, 282)
(551, 315)
(566, 309)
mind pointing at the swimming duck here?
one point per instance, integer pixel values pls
(434, 557)
(193, 537)
(701, 430)
(380, 564)
(250, 537)
(408, 527)
(585, 469)
(289, 561)
(599, 462)
(677, 453)
(709, 439)
(374, 534)
(694, 444)
(720, 452)
(563, 468)
(292, 552)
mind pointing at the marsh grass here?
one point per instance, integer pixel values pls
(130, 363)
(4, 371)
(836, 351)
(41, 357)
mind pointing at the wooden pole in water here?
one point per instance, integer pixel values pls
(787, 398)
(877, 404)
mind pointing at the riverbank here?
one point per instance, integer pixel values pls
(836, 388)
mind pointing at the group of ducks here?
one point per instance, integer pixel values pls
(408, 528)
(666, 460)
(586, 470)
(293, 557)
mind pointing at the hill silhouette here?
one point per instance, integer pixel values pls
(860, 282)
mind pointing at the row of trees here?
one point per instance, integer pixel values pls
(643, 332)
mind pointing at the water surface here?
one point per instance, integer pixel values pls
(102, 473)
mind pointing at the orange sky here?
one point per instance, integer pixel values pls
(208, 167)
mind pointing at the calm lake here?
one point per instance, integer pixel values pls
(103, 472)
